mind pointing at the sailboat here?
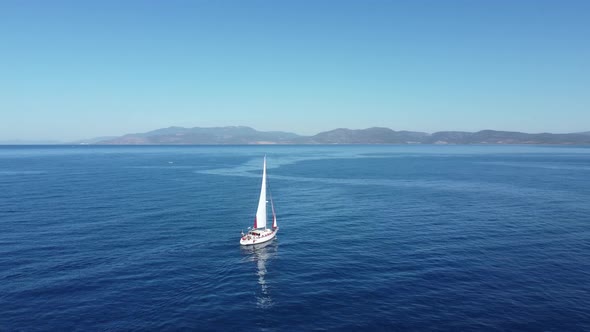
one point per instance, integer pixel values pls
(260, 233)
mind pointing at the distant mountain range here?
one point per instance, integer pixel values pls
(197, 135)
(375, 135)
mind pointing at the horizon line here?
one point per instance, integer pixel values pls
(106, 137)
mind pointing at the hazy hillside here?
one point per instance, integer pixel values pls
(375, 135)
(197, 135)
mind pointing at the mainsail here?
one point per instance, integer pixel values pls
(260, 220)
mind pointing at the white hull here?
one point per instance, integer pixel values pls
(258, 236)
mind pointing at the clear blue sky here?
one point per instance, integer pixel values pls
(79, 69)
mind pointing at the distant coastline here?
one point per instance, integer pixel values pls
(241, 135)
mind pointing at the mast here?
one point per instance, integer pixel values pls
(260, 220)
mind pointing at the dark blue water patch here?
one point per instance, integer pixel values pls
(371, 238)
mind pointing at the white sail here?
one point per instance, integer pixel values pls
(274, 215)
(260, 221)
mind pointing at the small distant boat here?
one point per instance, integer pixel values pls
(259, 233)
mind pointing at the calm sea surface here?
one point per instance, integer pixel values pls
(450, 238)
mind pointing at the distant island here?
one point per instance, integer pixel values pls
(375, 135)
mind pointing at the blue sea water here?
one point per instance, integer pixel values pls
(445, 238)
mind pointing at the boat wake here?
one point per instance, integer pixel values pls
(262, 254)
